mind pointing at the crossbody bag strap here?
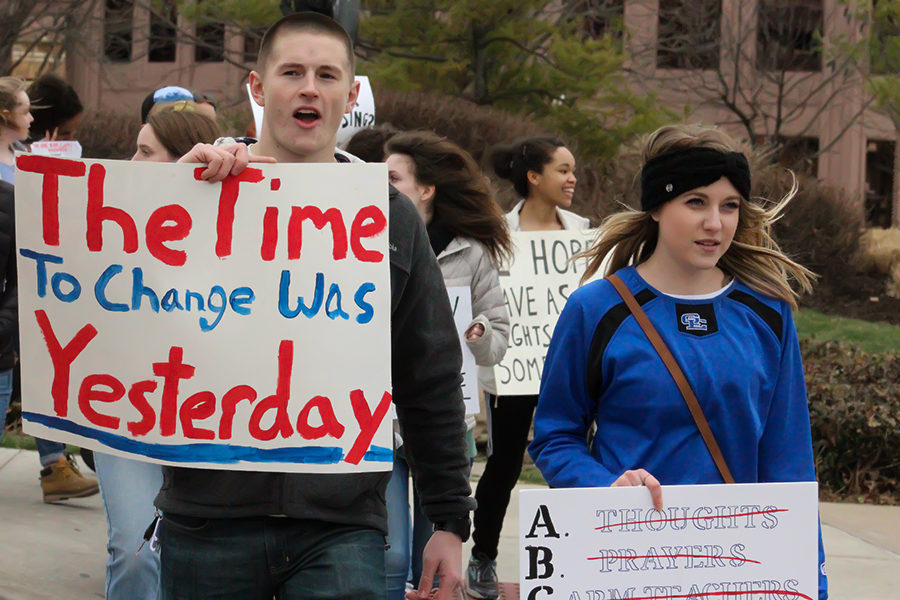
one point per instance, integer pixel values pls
(677, 374)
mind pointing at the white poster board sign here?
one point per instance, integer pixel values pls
(461, 303)
(240, 325)
(67, 149)
(535, 287)
(257, 112)
(710, 541)
(362, 115)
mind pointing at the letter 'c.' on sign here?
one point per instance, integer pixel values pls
(710, 541)
(240, 325)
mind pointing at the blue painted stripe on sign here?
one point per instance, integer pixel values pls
(209, 453)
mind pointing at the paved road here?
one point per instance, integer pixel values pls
(57, 552)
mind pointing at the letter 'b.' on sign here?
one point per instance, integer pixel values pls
(755, 541)
(239, 325)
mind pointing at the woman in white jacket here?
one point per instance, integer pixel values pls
(542, 171)
(470, 238)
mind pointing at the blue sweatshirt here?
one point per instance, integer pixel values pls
(739, 352)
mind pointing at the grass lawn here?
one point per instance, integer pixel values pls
(870, 336)
(23, 441)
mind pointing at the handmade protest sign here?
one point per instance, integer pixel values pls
(60, 149)
(241, 325)
(362, 115)
(755, 541)
(536, 286)
(461, 303)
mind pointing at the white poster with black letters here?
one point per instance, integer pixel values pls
(461, 303)
(536, 286)
(755, 541)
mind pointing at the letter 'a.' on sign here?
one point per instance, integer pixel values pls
(461, 303)
(240, 325)
(710, 541)
(535, 287)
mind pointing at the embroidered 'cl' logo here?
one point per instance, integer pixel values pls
(693, 322)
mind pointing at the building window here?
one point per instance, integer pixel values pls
(210, 45)
(689, 34)
(252, 42)
(601, 17)
(879, 183)
(163, 21)
(789, 36)
(799, 153)
(117, 33)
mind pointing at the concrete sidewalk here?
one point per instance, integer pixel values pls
(58, 552)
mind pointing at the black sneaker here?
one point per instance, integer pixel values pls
(481, 578)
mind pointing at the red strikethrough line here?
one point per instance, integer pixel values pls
(707, 594)
(761, 512)
(676, 556)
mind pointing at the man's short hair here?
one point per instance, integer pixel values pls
(304, 21)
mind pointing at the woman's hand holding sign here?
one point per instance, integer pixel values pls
(639, 477)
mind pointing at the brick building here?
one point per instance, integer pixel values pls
(769, 69)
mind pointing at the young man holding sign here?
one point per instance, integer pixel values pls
(239, 535)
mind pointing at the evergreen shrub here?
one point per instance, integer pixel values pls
(108, 134)
(854, 405)
(477, 129)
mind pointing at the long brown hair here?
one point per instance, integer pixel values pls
(463, 202)
(753, 257)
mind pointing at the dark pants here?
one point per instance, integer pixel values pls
(265, 557)
(509, 418)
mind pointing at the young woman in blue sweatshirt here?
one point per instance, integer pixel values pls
(699, 258)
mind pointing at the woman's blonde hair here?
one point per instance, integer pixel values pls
(9, 90)
(630, 237)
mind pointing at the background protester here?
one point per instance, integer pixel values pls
(469, 236)
(368, 144)
(60, 476)
(15, 119)
(129, 486)
(169, 93)
(9, 321)
(699, 257)
(542, 171)
(56, 108)
(206, 104)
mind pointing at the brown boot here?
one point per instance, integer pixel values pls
(62, 480)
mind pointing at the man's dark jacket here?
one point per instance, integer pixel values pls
(426, 362)
(9, 304)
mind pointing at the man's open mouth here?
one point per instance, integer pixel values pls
(307, 115)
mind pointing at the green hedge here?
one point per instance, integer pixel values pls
(854, 405)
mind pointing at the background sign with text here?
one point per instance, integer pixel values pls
(535, 287)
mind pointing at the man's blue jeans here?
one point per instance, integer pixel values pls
(128, 488)
(258, 558)
(49, 451)
(6, 388)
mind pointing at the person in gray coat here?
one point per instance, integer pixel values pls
(469, 236)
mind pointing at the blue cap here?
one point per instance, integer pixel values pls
(170, 93)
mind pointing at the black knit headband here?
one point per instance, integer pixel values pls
(671, 174)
